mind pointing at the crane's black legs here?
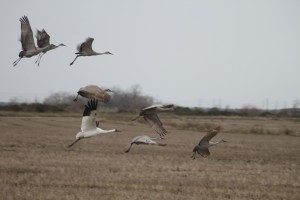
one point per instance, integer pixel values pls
(74, 59)
(70, 145)
(16, 62)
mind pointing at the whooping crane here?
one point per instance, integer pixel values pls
(94, 92)
(205, 143)
(28, 47)
(150, 115)
(89, 125)
(144, 139)
(85, 49)
(43, 40)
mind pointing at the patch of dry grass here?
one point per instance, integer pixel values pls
(36, 163)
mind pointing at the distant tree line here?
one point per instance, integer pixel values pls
(131, 101)
(123, 101)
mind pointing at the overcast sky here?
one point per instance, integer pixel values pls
(190, 52)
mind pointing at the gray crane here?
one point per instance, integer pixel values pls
(85, 49)
(150, 115)
(205, 143)
(28, 47)
(144, 139)
(94, 91)
(43, 41)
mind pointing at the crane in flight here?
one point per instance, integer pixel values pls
(94, 92)
(28, 47)
(89, 125)
(205, 143)
(150, 115)
(144, 139)
(43, 41)
(85, 49)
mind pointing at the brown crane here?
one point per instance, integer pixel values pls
(85, 49)
(43, 41)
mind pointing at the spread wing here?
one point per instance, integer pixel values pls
(43, 39)
(89, 116)
(86, 46)
(212, 133)
(155, 123)
(26, 34)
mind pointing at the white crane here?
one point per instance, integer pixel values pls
(85, 49)
(205, 143)
(144, 139)
(150, 116)
(89, 125)
(43, 40)
(94, 92)
(28, 47)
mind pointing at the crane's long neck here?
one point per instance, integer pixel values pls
(156, 138)
(215, 143)
(97, 53)
(101, 131)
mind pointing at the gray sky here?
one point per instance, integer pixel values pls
(191, 53)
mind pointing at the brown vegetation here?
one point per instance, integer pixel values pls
(259, 161)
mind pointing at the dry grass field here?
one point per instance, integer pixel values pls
(260, 160)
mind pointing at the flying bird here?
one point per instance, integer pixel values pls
(89, 125)
(150, 116)
(85, 49)
(94, 92)
(144, 139)
(43, 41)
(205, 143)
(28, 47)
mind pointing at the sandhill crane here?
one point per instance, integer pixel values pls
(43, 38)
(85, 49)
(144, 139)
(205, 143)
(28, 47)
(150, 115)
(89, 125)
(94, 92)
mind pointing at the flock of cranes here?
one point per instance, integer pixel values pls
(89, 125)
(43, 44)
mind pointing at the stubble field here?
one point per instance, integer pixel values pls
(260, 160)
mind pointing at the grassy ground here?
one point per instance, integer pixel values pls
(260, 160)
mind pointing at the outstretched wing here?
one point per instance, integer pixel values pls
(26, 34)
(43, 39)
(86, 46)
(212, 133)
(89, 116)
(155, 123)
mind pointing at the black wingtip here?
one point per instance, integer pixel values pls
(91, 105)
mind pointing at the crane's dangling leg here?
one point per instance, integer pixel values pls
(74, 59)
(135, 118)
(128, 148)
(16, 62)
(74, 142)
(194, 155)
(76, 98)
(40, 56)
